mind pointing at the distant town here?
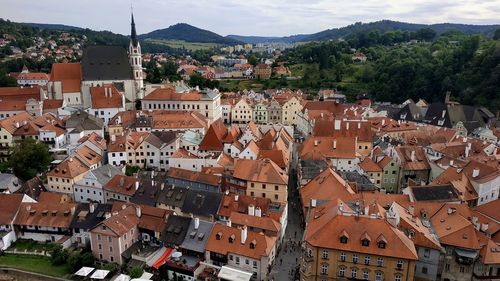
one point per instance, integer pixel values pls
(120, 164)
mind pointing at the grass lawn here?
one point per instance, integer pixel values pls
(35, 264)
(31, 245)
(178, 44)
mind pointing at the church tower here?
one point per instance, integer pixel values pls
(136, 59)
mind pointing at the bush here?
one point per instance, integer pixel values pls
(135, 272)
(112, 267)
(58, 256)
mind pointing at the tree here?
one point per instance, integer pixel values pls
(135, 272)
(253, 60)
(426, 34)
(497, 34)
(58, 256)
(170, 70)
(28, 158)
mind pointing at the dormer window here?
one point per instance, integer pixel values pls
(218, 236)
(381, 245)
(381, 242)
(344, 237)
(365, 240)
(253, 244)
(231, 238)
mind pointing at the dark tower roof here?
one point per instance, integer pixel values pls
(133, 33)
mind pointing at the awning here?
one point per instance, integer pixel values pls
(84, 271)
(466, 253)
(233, 274)
(146, 276)
(99, 274)
(122, 277)
(162, 259)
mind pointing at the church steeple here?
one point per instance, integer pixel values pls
(133, 33)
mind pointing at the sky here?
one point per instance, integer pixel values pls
(247, 17)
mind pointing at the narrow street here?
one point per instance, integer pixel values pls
(286, 261)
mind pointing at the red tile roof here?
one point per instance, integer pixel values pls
(106, 97)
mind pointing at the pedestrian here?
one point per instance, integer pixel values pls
(281, 261)
(296, 260)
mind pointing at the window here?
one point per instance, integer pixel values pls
(324, 269)
(354, 272)
(237, 260)
(354, 258)
(343, 257)
(462, 269)
(247, 262)
(263, 186)
(378, 276)
(254, 264)
(343, 240)
(380, 261)
(276, 197)
(365, 275)
(399, 265)
(325, 254)
(276, 187)
(397, 278)
(424, 270)
(381, 245)
(447, 267)
(309, 253)
(110, 249)
(365, 242)
(341, 271)
(427, 253)
(367, 260)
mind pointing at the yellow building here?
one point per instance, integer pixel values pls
(62, 178)
(290, 109)
(262, 178)
(372, 170)
(7, 128)
(340, 245)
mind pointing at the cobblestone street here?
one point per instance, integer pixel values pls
(288, 258)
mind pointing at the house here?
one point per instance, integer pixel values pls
(32, 188)
(372, 170)
(106, 102)
(207, 103)
(65, 83)
(341, 243)
(87, 216)
(91, 187)
(9, 183)
(313, 110)
(242, 112)
(171, 198)
(9, 207)
(260, 113)
(291, 105)
(7, 128)
(274, 111)
(175, 231)
(19, 99)
(242, 249)
(54, 136)
(27, 78)
(259, 178)
(201, 204)
(414, 164)
(339, 151)
(80, 124)
(421, 232)
(45, 222)
(262, 71)
(111, 237)
(120, 188)
(390, 173)
(62, 178)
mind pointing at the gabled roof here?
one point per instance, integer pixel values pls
(239, 203)
(69, 168)
(121, 184)
(316, 148)
(193, 176)
(326, 186)
(12, 123)
(106, 63)
(70, 74)
(419, 161)
(265, 171)
(265, 223)
(214, 137)
(368, 165)
(119, 224)
(106, 96)
(48, 214)
(201, 203)
(9, 206)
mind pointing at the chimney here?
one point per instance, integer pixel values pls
(321, 114)
(136, 185)
(138, 211)
(337, 124)
(162, 186)
(451, 162)
(464, 139)
(413, 156)
(243, 234)
(71, 159)
(467, 151)
(383, 122)
(411, 210)
(359, 125)
(196, 223)
(347, 126)
(251, 210)
(236, 198)
(73, 209)
(107, 215)
(229, 223)
(18, 125)
(113, 138)
(315, 142)
(475, 172)
(91, 208)
(484, 227)
(258, 212)
(444, 113)
(313, 203)
(335, 143)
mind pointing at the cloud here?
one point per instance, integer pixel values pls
(256, 17)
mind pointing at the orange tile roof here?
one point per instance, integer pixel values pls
(178, 119)
(9, 206)
(28, 129)
(118, 145)
(69, 168)
(324, 127)
(369, 166)
(265, 171)
(324, 230)
(122, 184)
(49, 214)
(12, 105)
(106, 97)
(490, 209)
(277, 156)
(170, 94)
(490, 253)
(263, 244)
(229, 204)
(318, 148)
(419, 162)
(119, 224)
(265, 223)
(52, 104)
(328, 185)
(19, 93)
(88, 156)
(33, 76)
(70, 74)
(213, 138)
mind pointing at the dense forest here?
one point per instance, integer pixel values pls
(466, 65)
(189, 33)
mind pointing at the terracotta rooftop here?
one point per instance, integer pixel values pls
(69, 168)
(122, 184)
(265, 171)
(49, 214)
(318, 148)
(106, 96)
(193, 176)
(118, 224)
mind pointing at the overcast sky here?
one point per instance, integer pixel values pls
(247, 17)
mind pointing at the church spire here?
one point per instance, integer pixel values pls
(133, 33)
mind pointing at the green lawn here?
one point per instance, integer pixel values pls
(31, 245)
(177, 44)
(37, 264)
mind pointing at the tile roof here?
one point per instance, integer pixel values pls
(214, 137)
(368, 165)
(52, 104)
(171, 95)
(201, 203)
(325, 229)
(419, 161)
(490, 209)
(32, 188)
(69, 168)
(326, 186)
(122, 184)
(176, 229)
(12, 123)
(265, 223)
(325, 127)
(70, 74)
(197, 238)
(87, 156)
(9, 206)
(263, 244)
(317, 148)
(48, 214)
(265, 171)
(178, 120)
(277, 156)
(106, 63)
(193, 176)
(106, 96)
(239, 203)
(119, 223)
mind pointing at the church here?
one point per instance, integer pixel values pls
(114, 65)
